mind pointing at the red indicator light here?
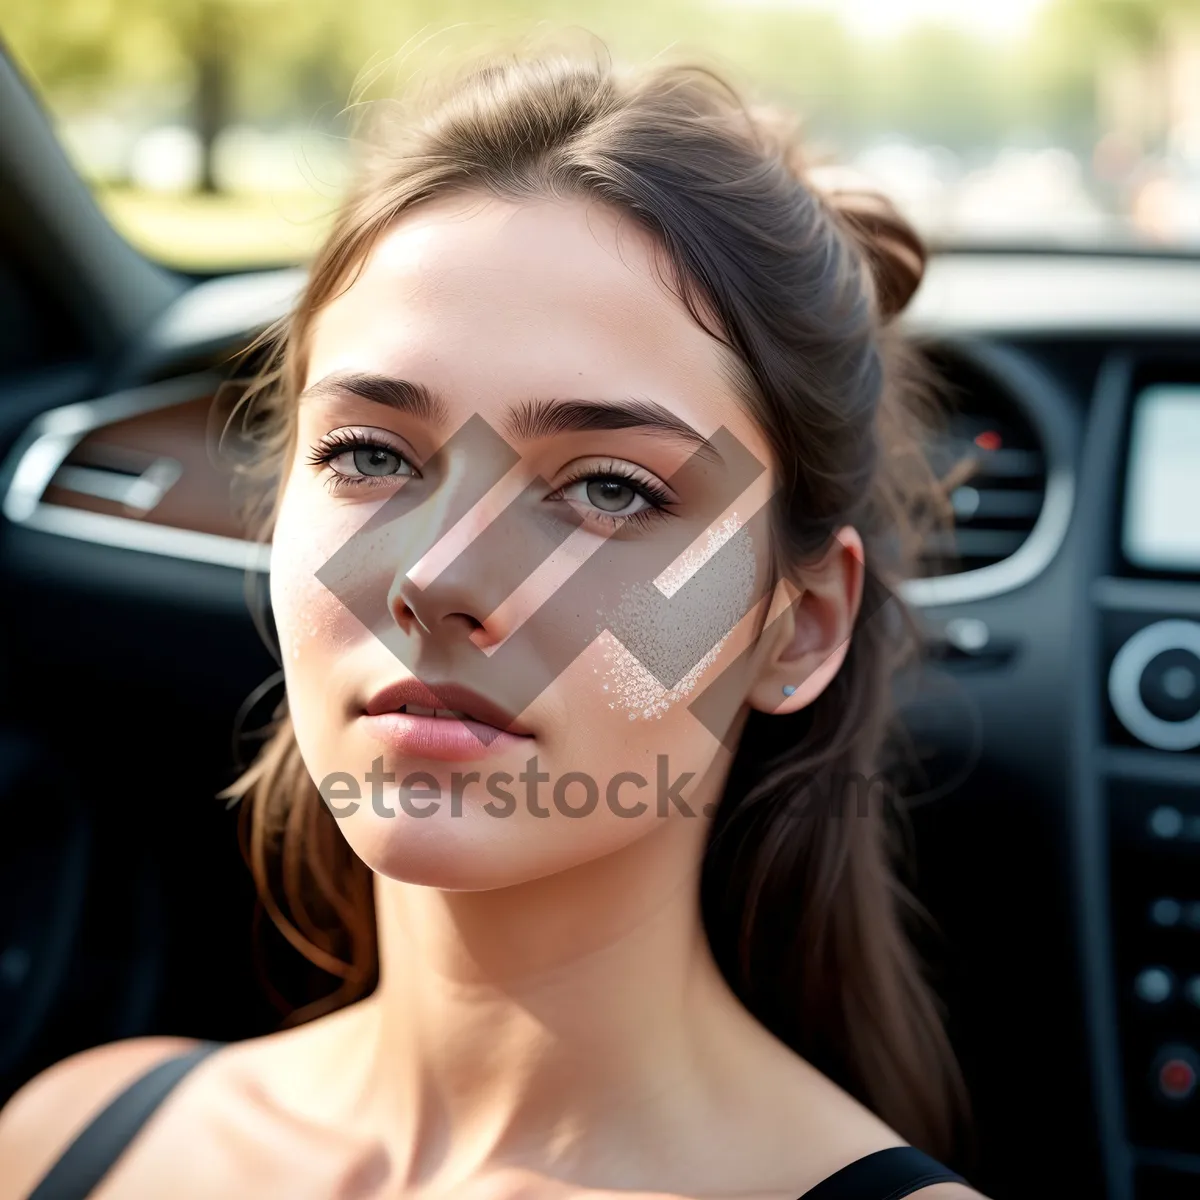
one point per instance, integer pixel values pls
(1176, 1078)
(989, 439)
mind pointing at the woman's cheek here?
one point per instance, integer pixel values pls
(629, 689)
(725, 594)
(308, 616)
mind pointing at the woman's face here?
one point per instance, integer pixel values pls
(523, 498)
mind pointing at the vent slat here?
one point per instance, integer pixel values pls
(996, 494)
(977, 543)
(1005, 464)
(972, 503)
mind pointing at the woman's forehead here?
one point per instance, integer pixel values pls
(491, 303)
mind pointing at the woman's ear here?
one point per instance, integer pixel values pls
(809, 627)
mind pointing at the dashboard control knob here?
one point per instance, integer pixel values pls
(1154, 985)
(1176, 1069)
(1170, 685)
(1154, 685)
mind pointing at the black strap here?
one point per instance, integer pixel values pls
(102, 1141)
(884, 1175)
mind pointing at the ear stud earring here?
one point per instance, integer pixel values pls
(789, 689)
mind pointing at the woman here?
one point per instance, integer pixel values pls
(587, 460)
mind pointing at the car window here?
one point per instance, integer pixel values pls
(215, 132)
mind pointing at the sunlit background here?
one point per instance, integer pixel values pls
(215, 131)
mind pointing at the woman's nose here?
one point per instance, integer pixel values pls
(436, 595)
(462, 579)
(440, 582)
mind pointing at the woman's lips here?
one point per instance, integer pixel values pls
(448, 739)
(470, 726)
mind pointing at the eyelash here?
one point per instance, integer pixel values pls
(653, 493)
(334, 445)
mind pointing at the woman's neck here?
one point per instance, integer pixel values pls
(546, 1025)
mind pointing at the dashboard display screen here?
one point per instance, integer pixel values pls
(1162, 492)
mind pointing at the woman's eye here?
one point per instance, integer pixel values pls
(611, 496)
(367, 461)
(374, 460)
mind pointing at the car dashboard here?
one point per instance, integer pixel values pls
(1055, 824)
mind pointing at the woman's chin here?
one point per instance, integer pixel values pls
(454, 868)
(476, 853)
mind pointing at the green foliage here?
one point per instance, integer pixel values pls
(1133, 25)
(214, 63)
(264, 60)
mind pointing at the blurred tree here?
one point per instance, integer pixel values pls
(940, 85)
(286, 60)
(1101, 38)
(79, 50)
(1137, 25)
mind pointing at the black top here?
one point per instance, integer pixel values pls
(885, 1175)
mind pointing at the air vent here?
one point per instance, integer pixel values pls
(995, 458)
(132, 478)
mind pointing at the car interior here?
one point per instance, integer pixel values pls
(1055, 824)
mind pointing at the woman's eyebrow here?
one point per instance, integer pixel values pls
(544, 418)
(528, 421)
(413, 399)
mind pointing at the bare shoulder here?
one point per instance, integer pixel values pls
(42, 1119)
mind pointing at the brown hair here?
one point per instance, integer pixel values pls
(801, 906)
